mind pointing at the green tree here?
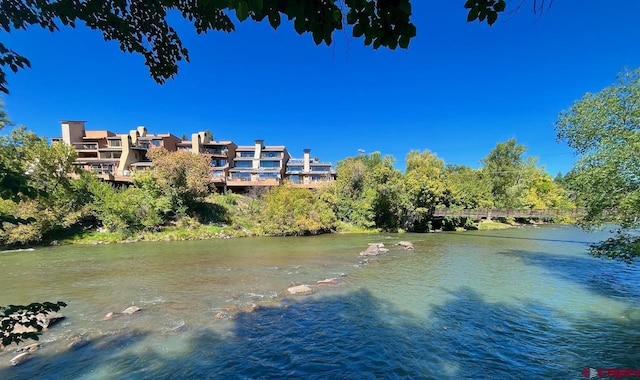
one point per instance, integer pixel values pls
(48, 165)
(295, 211)
(425, 187)
(354, 203)
(14, 150)
(36, 188)
(368, 190)
(182, 176)
(543, 192)
(467, 188)
(604, 130)
(503, 169)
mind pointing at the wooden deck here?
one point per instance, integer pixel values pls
(508, 213)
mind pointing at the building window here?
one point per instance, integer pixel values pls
(245, 154)
(115, 143)
(318, 178)
(215, 162)
(294, 178)
(270, 154)
(269, 175)
(241, 176)
(244, 164)
(294, 168)
(270, 164)
(102, 169)
(215, 151)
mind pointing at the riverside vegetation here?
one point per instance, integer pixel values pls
(42, 202)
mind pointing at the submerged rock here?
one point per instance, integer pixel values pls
(128, 311)
(406, 245)
(300, 290)
(20, 358)
(372, 250)
(329, 281)
(30, 348)
(77, 341)
(231, 308)
(111, 315)
(131, 310)
(43, 320)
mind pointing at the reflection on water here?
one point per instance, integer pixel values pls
(499, 304)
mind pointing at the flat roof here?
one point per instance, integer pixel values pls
(218, 143)
(266, 147)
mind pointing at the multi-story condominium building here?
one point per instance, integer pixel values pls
(258, 165)
(308, 172)
(114, 157)
(219, 153)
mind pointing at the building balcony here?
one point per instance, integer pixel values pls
(247, 182)
(86, 146)
(276, 155)
(215, 151)
(311, 185)
(105, 176)
(122, 178)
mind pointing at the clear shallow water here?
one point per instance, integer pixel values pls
(520, 303)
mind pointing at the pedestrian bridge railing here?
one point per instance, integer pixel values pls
(507, 213)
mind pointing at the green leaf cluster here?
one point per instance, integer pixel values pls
(142, 26)
(367, 191)
(604, 130)
(482, 10)
(38, 195)
(295, 211)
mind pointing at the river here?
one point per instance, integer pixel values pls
(518, 303)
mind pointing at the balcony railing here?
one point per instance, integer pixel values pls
(215, 151)
(85, 146)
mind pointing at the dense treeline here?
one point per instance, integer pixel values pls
(45, 198)
(370, 192)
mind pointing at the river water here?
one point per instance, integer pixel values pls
(517, 303)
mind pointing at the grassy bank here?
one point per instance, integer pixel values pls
(485, 225)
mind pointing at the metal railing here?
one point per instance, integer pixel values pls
(508, 213)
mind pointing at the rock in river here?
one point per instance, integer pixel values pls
(372, 250)
(300, 290)
(329, 281)
(131, 310)
(406, 245)
(20, 358)
(44, 321)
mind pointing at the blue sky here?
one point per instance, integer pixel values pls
(458, 90)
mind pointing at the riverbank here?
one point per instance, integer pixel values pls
(219, 231)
